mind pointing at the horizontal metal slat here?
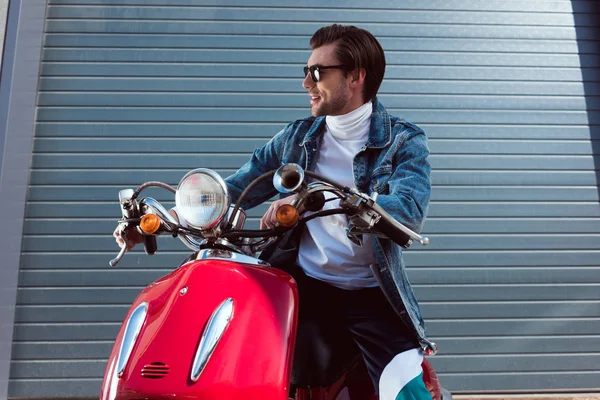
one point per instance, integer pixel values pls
(232, 160)
(301, 56)
(551, 309)
(456, 383)
(107, 130)
(119, 277)
(569, 309)
(447, 209)
(455, 5)
(107, 177)
(435, 328)
(88, 226)
(518, 363)
(269, 100)
(467, 292)
(539, 363)
(438, 193)
(67, 332)
(431, 72)
(492, 149)
(516, 345)
(291, 85)
(87, 313)
(308, 28)
(236, 14)
(520, 382)
(85, 295)
(535, 292)
(526, 177)
(58, 369)
(566, 274)
(573, 266)
(85, 387)
(438, 242)
(486, 261)
(267, 42)
(200, 146)
(506, 327)
(284, 115)
(133, 178)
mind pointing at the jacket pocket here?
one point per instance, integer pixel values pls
(379, 181)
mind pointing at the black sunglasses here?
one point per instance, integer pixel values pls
(315, 73)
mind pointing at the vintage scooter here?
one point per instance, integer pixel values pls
(223, 325)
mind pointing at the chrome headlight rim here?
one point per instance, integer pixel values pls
(225, 193)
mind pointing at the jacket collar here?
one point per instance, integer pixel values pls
(379, 134)
(381, 127)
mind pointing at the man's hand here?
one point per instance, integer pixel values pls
(133, 237)
(268, 220)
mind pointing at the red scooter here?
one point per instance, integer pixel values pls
(223, 324)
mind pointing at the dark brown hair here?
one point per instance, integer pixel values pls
(355, 48)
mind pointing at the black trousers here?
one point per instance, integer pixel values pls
(336, 325)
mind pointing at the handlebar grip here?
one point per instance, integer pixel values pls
(150, 245)
(388, 229)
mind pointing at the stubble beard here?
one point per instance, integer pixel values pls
(333, 106)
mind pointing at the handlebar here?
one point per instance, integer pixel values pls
(365, 215)
(394, 230)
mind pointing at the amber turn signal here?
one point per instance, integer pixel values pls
(150, 223)
(287, 215)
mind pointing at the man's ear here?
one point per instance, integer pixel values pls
(359, 75)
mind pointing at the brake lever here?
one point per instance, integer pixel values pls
(355, 237)
(116, 260)
(128, 210)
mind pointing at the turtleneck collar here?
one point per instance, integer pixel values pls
(352, 124)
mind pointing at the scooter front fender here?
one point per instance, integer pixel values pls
(252, 357)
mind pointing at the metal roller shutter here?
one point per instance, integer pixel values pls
(136, 90)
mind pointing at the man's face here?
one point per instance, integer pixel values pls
(331, 95)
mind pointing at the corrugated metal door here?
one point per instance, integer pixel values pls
(134, 90)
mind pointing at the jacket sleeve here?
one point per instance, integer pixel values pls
(409, 184)
(264, 159)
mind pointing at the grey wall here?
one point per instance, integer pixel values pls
(18, 92)
(506, 90)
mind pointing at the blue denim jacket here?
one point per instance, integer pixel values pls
(393, 163)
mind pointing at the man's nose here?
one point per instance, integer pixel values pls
(308, 83)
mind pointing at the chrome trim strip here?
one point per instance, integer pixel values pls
(218, 254)
(130, 335)
(215, 328)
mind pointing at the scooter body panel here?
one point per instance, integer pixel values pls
(252, 359)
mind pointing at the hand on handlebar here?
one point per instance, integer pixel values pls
(268, 221)
(132, 237)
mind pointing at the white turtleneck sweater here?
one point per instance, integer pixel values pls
(325, 251)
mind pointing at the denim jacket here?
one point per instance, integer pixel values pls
(393, 163)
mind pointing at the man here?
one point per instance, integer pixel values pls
(352, 139)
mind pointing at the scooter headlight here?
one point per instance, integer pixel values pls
(202, 198)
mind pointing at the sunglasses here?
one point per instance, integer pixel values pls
(315, 71)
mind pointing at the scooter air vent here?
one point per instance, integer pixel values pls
(155, 370)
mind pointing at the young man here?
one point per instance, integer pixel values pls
(352, 139)
(361, 291)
